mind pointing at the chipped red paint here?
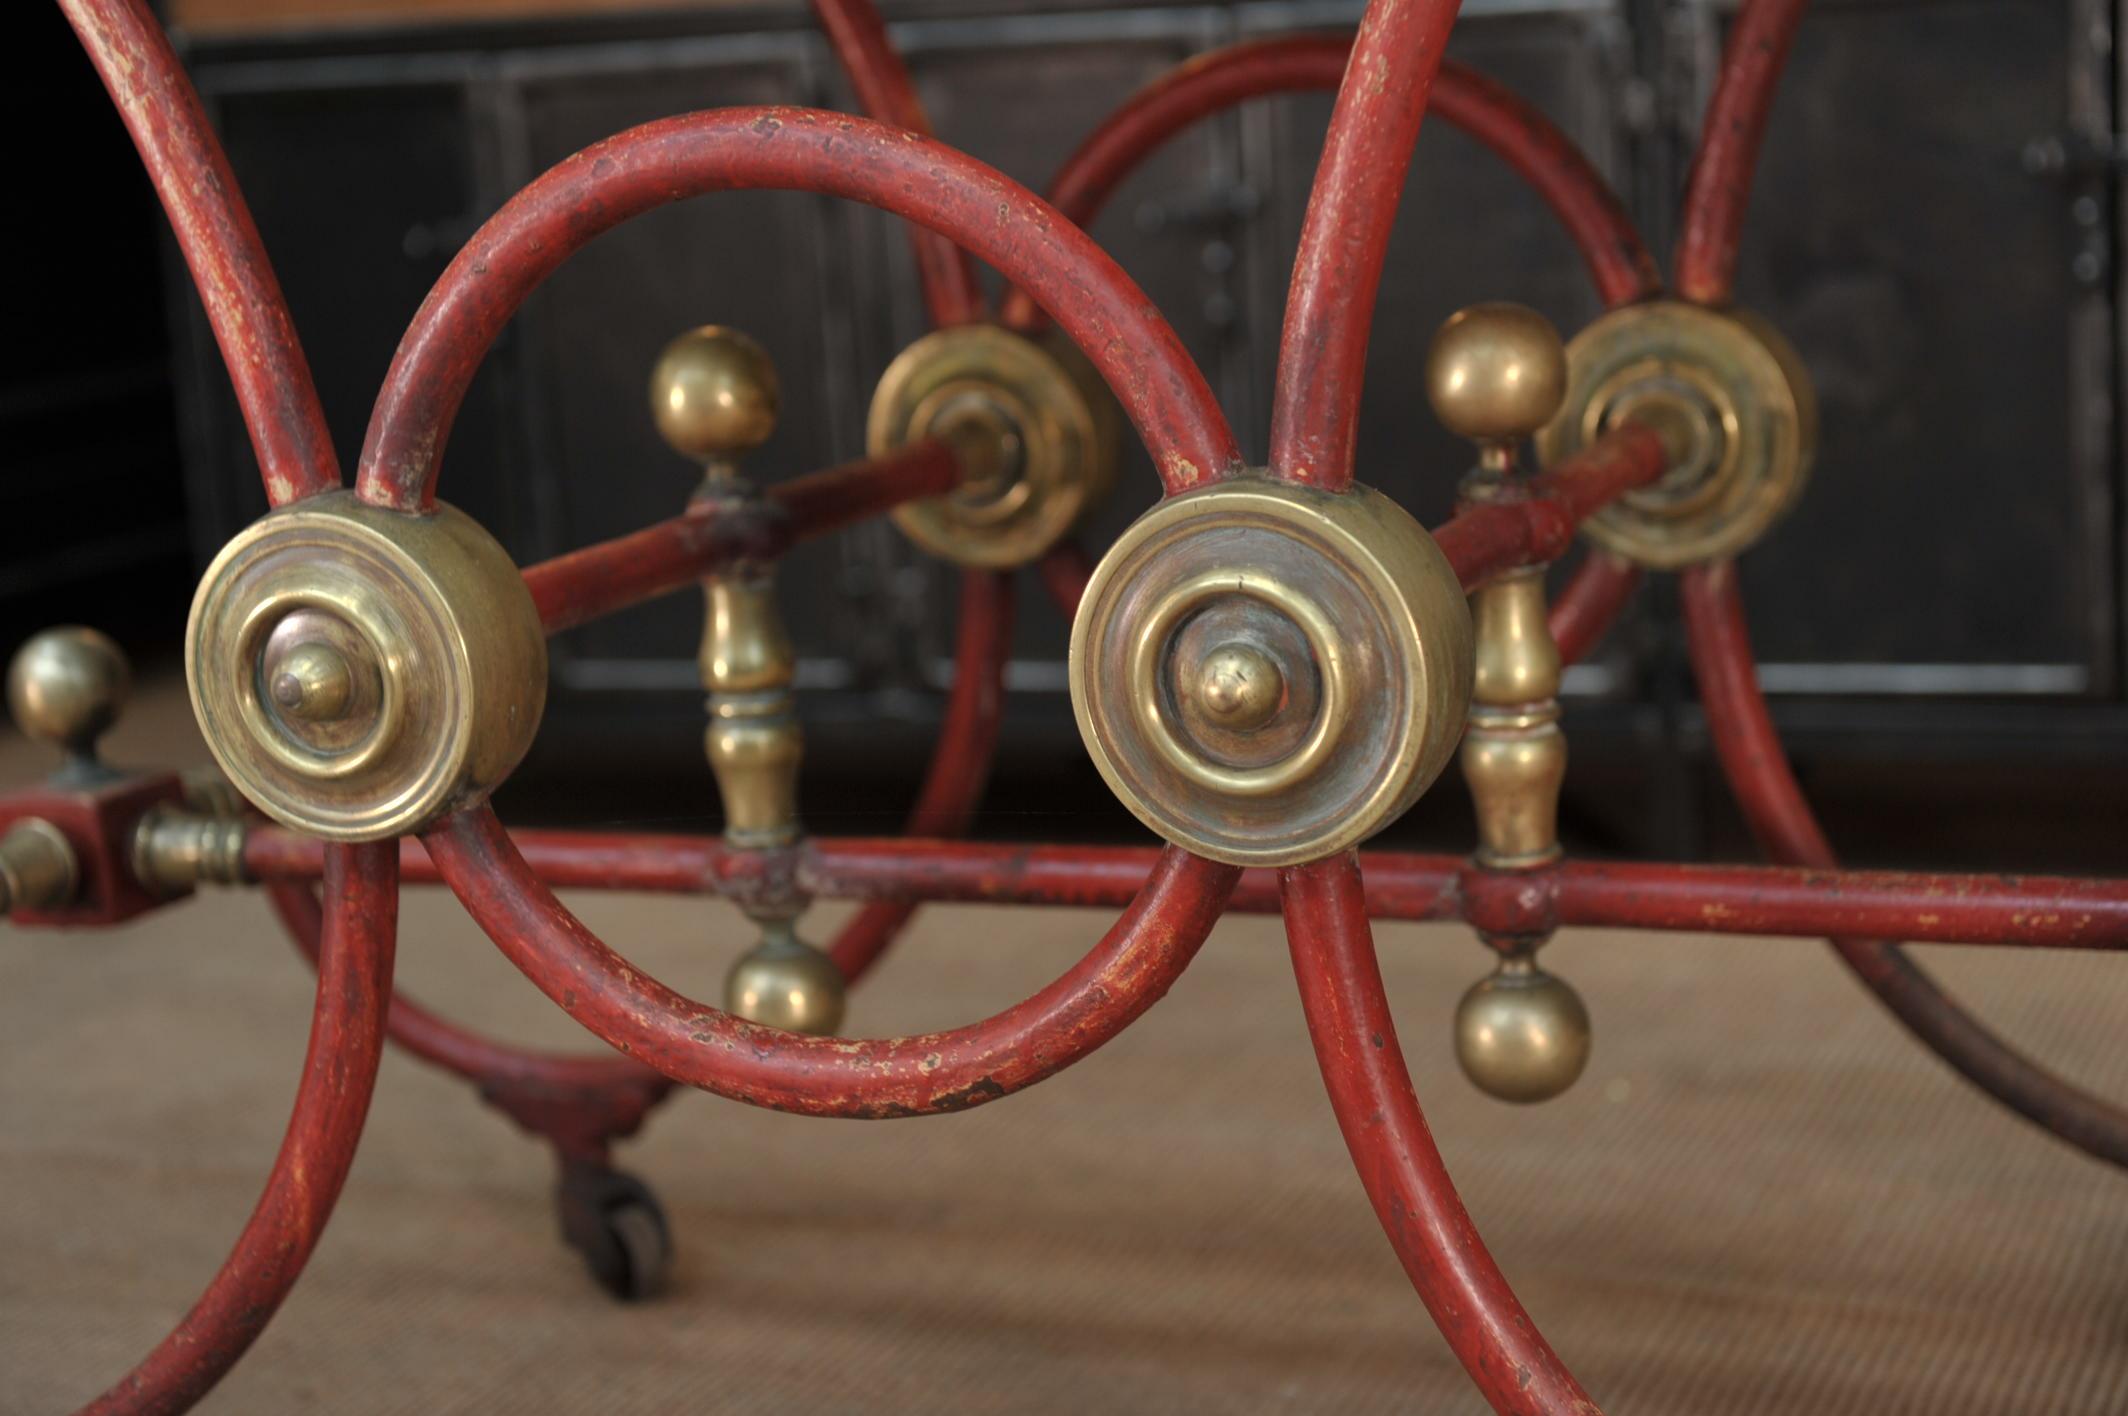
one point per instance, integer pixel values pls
(869, 60)
(1322, 352)
(221, 245)
(1370, 1090)
(1093, 301)
(1718, 191)
(960, 764)
(339, 1073)
(1510, 127)
(1536, 524)
(1766, 788)
(586, 584)
(582, 1104)
(1127, 972)
(1590, 604)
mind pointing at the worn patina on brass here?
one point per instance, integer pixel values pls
(358, 672)
(1496, 375)
(1735, 409)
(714, 396)
(1267, 673)
(1033, 428)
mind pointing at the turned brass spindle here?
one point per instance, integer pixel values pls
(714, 396)
(1496, 374)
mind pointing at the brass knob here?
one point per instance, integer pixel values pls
(786, 983)
(38, 870)
(311, 681)
(1240, 687)
(713, 393)
(1522, 1034)
(66, 687)
(1496, 374)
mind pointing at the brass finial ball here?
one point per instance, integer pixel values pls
(1496, 372)
(1522, 1034)
(66, 687)
(713, 394)
(786, 983)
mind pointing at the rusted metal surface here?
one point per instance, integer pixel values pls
(960, 764)
(1322, 352)
(1511, 128)
(221, 245)
(873, 66)
(1370, 1090)
(1537, 524)
(1090, 297)
(339, 1073)
(1127, 972)
(1765, 786)
(1718, 191)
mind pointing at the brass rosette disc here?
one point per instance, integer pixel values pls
(1267, 674)
(1735, 409)
(1036, 439)
(359, 672)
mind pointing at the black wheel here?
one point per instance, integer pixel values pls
(616, 1223)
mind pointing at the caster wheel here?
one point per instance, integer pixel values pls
(616, 1223)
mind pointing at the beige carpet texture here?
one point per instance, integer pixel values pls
(1762, 1197)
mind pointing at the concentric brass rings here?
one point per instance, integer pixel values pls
(1268, 674)
(1736, 413)
(359, 672)
(1036, 443)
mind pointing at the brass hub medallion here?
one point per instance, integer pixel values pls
(1268, 674)
(1035, 443)
(359, 672)
(1736, 413)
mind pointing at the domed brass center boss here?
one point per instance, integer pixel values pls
(358, 673)
(1268, 674)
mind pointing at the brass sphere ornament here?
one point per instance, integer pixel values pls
(714, 394)
(1495, 373)
(66, 686)
(786, 983)
(1267, 673)
(1032, 426)
(1735, 409)
(1522, 1034)
(360, 672)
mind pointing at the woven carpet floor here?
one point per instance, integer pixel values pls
(1760, 1199)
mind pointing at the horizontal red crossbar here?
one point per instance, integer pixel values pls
(2034, 911)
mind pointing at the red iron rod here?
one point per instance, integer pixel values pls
(221, 245)
(1322, 353)
(1591, 602)
(1370, 1090)
(1766, 788)
(584, 585)
(1719, 188)
(1517, 132)
(1093, 301)
(1126, 973)
(1483, 540)
(960, 764)
(332, 1100)
(2024, 911)
(1065, 571)
(858, 36)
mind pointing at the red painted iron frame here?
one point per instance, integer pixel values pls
(1170, 900)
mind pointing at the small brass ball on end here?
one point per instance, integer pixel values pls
(1522, 1035)
(786, 983)
(66, 686)
(1496, 372)
(714, 395)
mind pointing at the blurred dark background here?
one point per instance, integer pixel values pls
(1935, 228)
